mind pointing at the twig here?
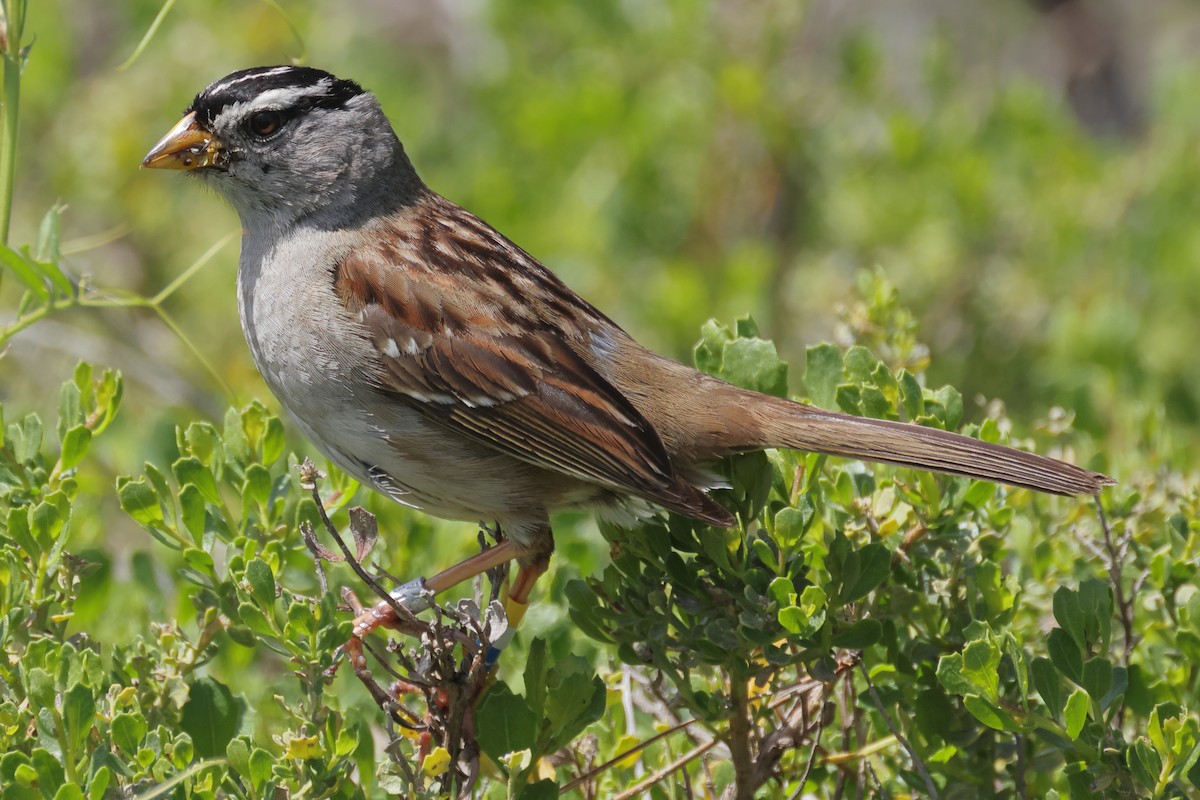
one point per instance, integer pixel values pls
(678, 763)
(1116, 559)
(630, 718)
(1019, 778)
(308, 476)
(918, 764)
(642, 745)
(814, 748)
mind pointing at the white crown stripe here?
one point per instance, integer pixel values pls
(286, 98)
(253, 76)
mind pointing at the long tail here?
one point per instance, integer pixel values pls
(802, 427)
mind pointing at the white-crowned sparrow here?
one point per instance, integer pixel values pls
(432, 358)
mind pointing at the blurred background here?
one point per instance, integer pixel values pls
(1026, 172)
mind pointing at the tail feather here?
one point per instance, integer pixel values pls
(803, 427)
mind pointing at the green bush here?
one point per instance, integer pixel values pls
(892, 618)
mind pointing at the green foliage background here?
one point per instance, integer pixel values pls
(673, 162)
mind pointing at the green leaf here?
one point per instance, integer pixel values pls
(69, 791)
(49, 236)
(257, 485)
(545, 789)
(790, 526)
(859, 636)
(1020, 663)
(1076, 712)
(822, 374)
(746, 328)
(201, 440)
(1097, 677)
(952, 403)
(274, 441)
(24, 271)
(874, 566)
(793, 620)
(79, 713)
(504, 722)
(254, 618)
(782, 591)
(192, 470)
(260, 767)
(979, 493)
(192, 512)
(46, 521)
(980, 665)
(813, 600)
(535, 677)
(49, 769)
(41, 686)
(18, 529)
(237, 449)
(24, 775)
(70, 407)
(300, 620)
(108, 391)
(139, 501)
(754, 364)
(1120, 684)
(75, 445)
(874, 403)
(885, 381)
(53, 273)
(860, 364)
(238, 754)
(715, 545)
(1064, 654)
(28, 435)
(162, 489)
(262, 583)
(1070, 616)
(989, 714)
(1193, 773)
(1154, 728)
(1096, 603)
(708, 352)
(721, 633)
(575, 700)
(211, 716)
(911, 397)
(849, 399)
(99, 784)
(950, 675)
(128, 730)
(1144, 762)
(1048, 685)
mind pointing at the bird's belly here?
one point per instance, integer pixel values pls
(399, 452)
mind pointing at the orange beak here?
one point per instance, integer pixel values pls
(187, 146)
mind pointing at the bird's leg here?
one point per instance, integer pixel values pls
(417, 595)
(532, 566)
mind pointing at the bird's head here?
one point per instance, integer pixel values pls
(281, 143)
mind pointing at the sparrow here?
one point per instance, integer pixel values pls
(433, 359)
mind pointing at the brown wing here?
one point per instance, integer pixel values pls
(474, 333)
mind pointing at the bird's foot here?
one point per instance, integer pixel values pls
(411, 598)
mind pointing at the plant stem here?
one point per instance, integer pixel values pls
(10, 98)
(739, 738)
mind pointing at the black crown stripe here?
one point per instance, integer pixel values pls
(244, 85)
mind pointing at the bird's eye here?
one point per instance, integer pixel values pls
(265, 123)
